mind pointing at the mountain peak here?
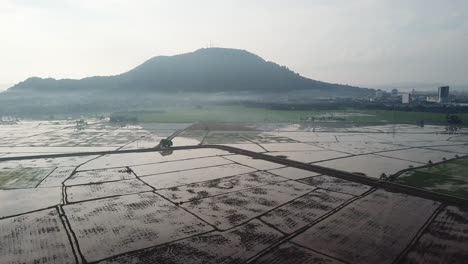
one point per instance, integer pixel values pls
(227, 51)
(214, 53)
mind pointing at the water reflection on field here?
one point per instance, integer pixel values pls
(181, 206)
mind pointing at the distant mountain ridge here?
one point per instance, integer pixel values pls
(205, 70)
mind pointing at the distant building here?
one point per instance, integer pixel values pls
(444, 94)
(420, 98)
(405, 98)
(379, 93)
(432, 99)
(394, 92)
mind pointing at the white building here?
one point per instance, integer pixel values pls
(405, 98)
(432, 99)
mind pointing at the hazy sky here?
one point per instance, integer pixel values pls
(360, 42)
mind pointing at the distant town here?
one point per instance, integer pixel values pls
(439, 96)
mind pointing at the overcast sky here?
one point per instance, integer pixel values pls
(359, 42)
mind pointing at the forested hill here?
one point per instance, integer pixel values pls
(205, 70)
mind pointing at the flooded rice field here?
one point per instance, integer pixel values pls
(379, 225)
(371, 165)
(207, 204)
(437, 244)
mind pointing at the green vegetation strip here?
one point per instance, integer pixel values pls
(252, 114)
(22, 177)
(448, 177)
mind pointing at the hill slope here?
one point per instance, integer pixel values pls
(205, 70)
